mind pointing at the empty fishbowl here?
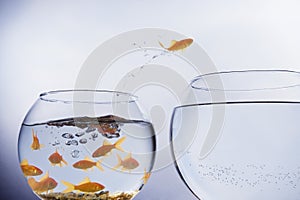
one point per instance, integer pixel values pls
(86, 144)
(239, 136)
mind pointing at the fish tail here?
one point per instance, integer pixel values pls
(65, 162)
(32, 183)
(98, 165)
(70, 186)
(117, 145)
(161, 45)
(119, 162)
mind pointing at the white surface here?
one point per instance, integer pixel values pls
(44, 43)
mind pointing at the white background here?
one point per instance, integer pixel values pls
(44, 43)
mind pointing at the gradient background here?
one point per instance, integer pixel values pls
(44, 43)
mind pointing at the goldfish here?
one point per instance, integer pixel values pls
(44, 185)
(35, 142)
(146, 176)
(128, 163)
(87, 163)
(30, 170)
(56, 159)
(178, 45)
(107, 147)
(85, 186)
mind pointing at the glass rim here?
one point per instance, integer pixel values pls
(233, 103)
(193, 82)
(44, 96)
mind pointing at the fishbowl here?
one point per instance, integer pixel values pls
(86, 144)
(239, 136)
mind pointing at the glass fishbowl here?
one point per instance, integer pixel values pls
(86, 144)
(239, 136)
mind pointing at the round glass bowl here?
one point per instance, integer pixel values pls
(86, 144)
(240, 139)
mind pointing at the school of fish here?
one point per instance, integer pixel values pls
(46, 183)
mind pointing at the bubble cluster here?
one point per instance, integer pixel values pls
(251, 175)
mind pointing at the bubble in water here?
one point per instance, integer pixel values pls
(90, 129)
(75, 154)
(83, 140)
(67, 136)
(72, 142)
(79, 134)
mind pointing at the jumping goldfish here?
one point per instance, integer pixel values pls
(178, 45)
(85, 186)
(87, 163)
(44, 185)
(108, 147)
(56, 159)
(128, 163)
(30, 170)
(146, 176)
(35, 142)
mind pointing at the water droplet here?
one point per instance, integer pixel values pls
(67, 136)
(83, 140)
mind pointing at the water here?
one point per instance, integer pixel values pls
(76, 140)
(255, 157)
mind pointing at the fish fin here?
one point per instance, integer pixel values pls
(98, 165)
(70, 187)
(85, 180)
(160, 44)
(119, 162)
(173, 42)
(65, 162)
(33, 134)
(24, 162)
(105, 142)
(128, 156)
(117, 145)
(88, 159)
(45, 176)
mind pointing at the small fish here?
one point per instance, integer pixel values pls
(85, 186)
(128, 163)
(146, 176)
(87, 163)
(30, 170)
(108, 147)
(178, 45)
(35, 142)
(56, 159)
(46, 184)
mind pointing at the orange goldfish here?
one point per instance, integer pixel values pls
(85, 186)
(178, 45)
(108, 147)
(56, 159)
(30, 170)
(87, 163)
(128, 163)
(146, 176)
(44, 185)
(35, 142)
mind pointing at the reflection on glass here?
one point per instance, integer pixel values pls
(86, 144)
(240, 138)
